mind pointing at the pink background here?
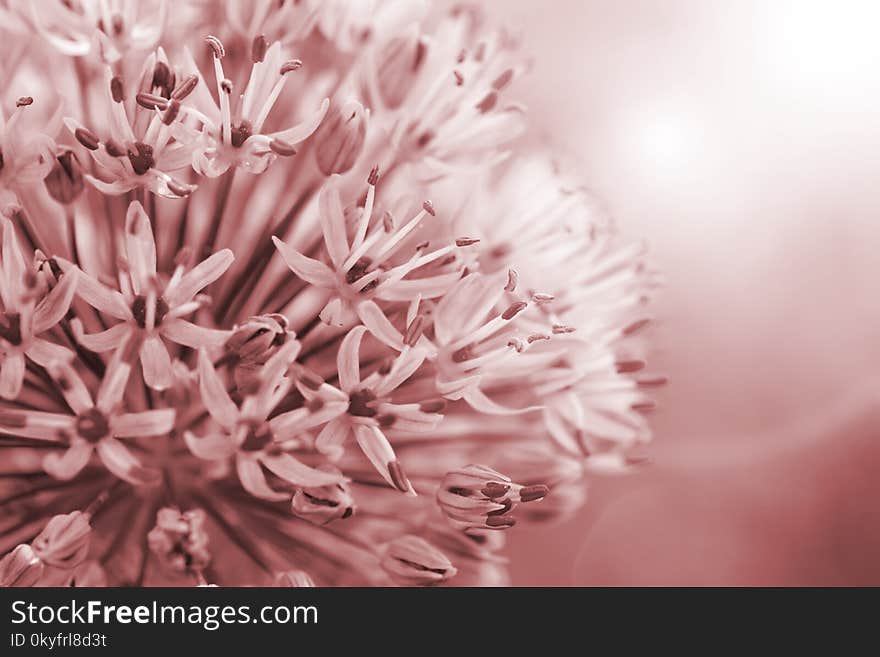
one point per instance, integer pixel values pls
(743, 139)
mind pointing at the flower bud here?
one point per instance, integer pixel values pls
(179, 540)
(340, 139)
(400, 63)
(323, 504)
(65, 181)
(412, 561)
(64, 542)
(477, 496)
(255, 339)
(21, 567)
(293, 579)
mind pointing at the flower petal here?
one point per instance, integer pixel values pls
(121, 462)
(191, 335)
(200, 277)
(116, 375)
(66, 465)
(45, 353)
(331, 438)
(214, 395)
(52, 309)
(478, 400)
(11, 375)
(156, 363)
(212, 447)
(348, 359)
(299, 474)
(333, 222)
(310, 270)
(253, 479)
(378, 450)
(145, 423)
(101, 297)
(383, 330)
(103, 340)
(140, 247)
(305, 128)
(13, 267)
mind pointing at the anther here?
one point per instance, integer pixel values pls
(172, 112)
(282, 148)
(24, 101)
(185, 88)
(559, 329)
(87, 138)
(259, 48)
(636, 326)
(459, 78)
(512, 279)
(433, 406)
(535, 337)
(532, 493)
(398, 477)
(466, 241)
(629, 366)
(226, 86)
(428, 207)
(117, 89)
(513, 310)
(489, 101)
(289, 66)
(540, 297)
(216, 46)
(503, 80)
(373, 178)
(151, 101)
(414, 330)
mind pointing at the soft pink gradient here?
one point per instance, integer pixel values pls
(742, 140)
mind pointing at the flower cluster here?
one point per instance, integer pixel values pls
(287, 300)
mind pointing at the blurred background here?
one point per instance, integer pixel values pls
(742, 140)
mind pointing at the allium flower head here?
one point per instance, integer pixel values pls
(287, 301)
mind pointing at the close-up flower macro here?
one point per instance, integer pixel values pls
(295, 294)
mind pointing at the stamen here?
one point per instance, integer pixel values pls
(503, 80)
(535, 337)
(512, 279)
(117, 89)
(532, 493)
(87, 138)
(466, 241)
(500, 521)
(398, 477)
(433, 406)
(151, 101)
(541, 297)
(629, 366)
(373, 178)
(513, 310)
(289, 66)
(459, 78)
(24, 101)
(494, 489)
(387, 222)
(216, 46)
(226, 86)
(414, 331)
(559, 329)
(636, 326)
(172, 112)
(429, 208)
(185, 88)
(488, 102)
(259, 48)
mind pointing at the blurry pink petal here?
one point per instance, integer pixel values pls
(11, 375)
(348, 359)
(116, 376)
(52, 309)
(156, 363)
(192, 335)
(140, 247)
(309, 270)
(44, 353)
(36, 424)
(200, 277)
(306, 127)
(299, 474)
(104, 340)
(14, 267)
(146, 423)
(120, 461)
(214, 395)
(288, 425)
(480, 402)
(210, 447)
(66, 465)
(331, 438)
(253, 479)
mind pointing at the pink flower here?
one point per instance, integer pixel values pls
(152, 308)
(27, 312)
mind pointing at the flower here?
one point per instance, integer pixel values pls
(28, 311)
(233, 136)
(150, 308)
(412, 560)
(210, 378)
(79, 28)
